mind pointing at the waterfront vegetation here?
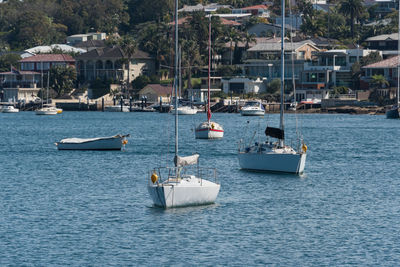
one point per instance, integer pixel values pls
(146, 25)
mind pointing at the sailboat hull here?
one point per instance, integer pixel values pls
(187, 192)
(209, 130)
(273, 162)
(392, 113)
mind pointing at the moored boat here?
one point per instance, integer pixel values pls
(115, 142)
(253, 108)
(9, 109)
(116, 108)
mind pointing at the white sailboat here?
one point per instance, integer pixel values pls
(275, 156)
(209, 129)
(47, 109)
(171, 187)
(393, 112)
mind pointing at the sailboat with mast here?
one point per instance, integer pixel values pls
(393, 112)
(275, 156)
(47, 109)
(185, 183)
(209, 129)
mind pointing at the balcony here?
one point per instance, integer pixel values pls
(311, 67)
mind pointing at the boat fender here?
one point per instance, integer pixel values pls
(212, 126)
(304, 147)
(154, 177)
(124, 142)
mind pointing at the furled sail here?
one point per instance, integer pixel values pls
(184, 161)
(275, 133)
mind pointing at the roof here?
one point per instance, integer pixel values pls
(258, 40)
(49, 58)
(392, 62)
(49, 48)
(90, 43)
(20, 72)
(223, 21)
(200, 7)
(277, 46)
(255, 7)
(160, 89)
(112, 52)
(384, 37)
(229, 22)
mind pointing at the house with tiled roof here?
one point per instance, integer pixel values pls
(25, 83)
(257, 10)
(112, 63)
(43, 62)
(387, 68)
(153, 93)
(387, 43)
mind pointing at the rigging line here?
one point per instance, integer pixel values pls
(292, 59)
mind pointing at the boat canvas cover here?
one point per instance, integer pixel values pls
(275, 133)
(75, 140)
(184, 161)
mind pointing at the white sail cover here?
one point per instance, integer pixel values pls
(184, 161)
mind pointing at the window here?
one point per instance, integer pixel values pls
(27, 66)
(353, 59)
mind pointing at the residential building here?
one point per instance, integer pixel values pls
(77, 38)
(269, 30)
(90, 45)
(257, 10)
(387, 43)
(24, 84)
(43, 62)
(327, 70)
(155, 92)
(19, 85)
(243, 85)
(46, 49)
(264, 60)
(387, 68)
(199, 95)
(212, 7)
(112, 63)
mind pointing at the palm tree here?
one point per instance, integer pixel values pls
(233, 37)
(128, 45)
(354, 8)
(379, 81)
(249, 38)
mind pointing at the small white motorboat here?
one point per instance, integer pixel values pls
(9, 109)
(253, 108)
(187, 110)
(115, 142)
(116, 108)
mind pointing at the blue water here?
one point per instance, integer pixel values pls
(83, 208)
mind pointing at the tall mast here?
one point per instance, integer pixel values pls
(209, 70)
(176, 78)
(398, 62)
(281, 126)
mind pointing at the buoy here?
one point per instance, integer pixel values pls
(154, 177)
(304, 147)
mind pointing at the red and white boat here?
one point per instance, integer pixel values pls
(209, 129)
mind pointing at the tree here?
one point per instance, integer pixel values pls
(128, 45)
(7, 60)
(233, 37)
(354, 9)
(274, 86)
(62, 79)
(379, 81)
(371, 58)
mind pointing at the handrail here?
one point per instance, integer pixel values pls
(168, 173)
